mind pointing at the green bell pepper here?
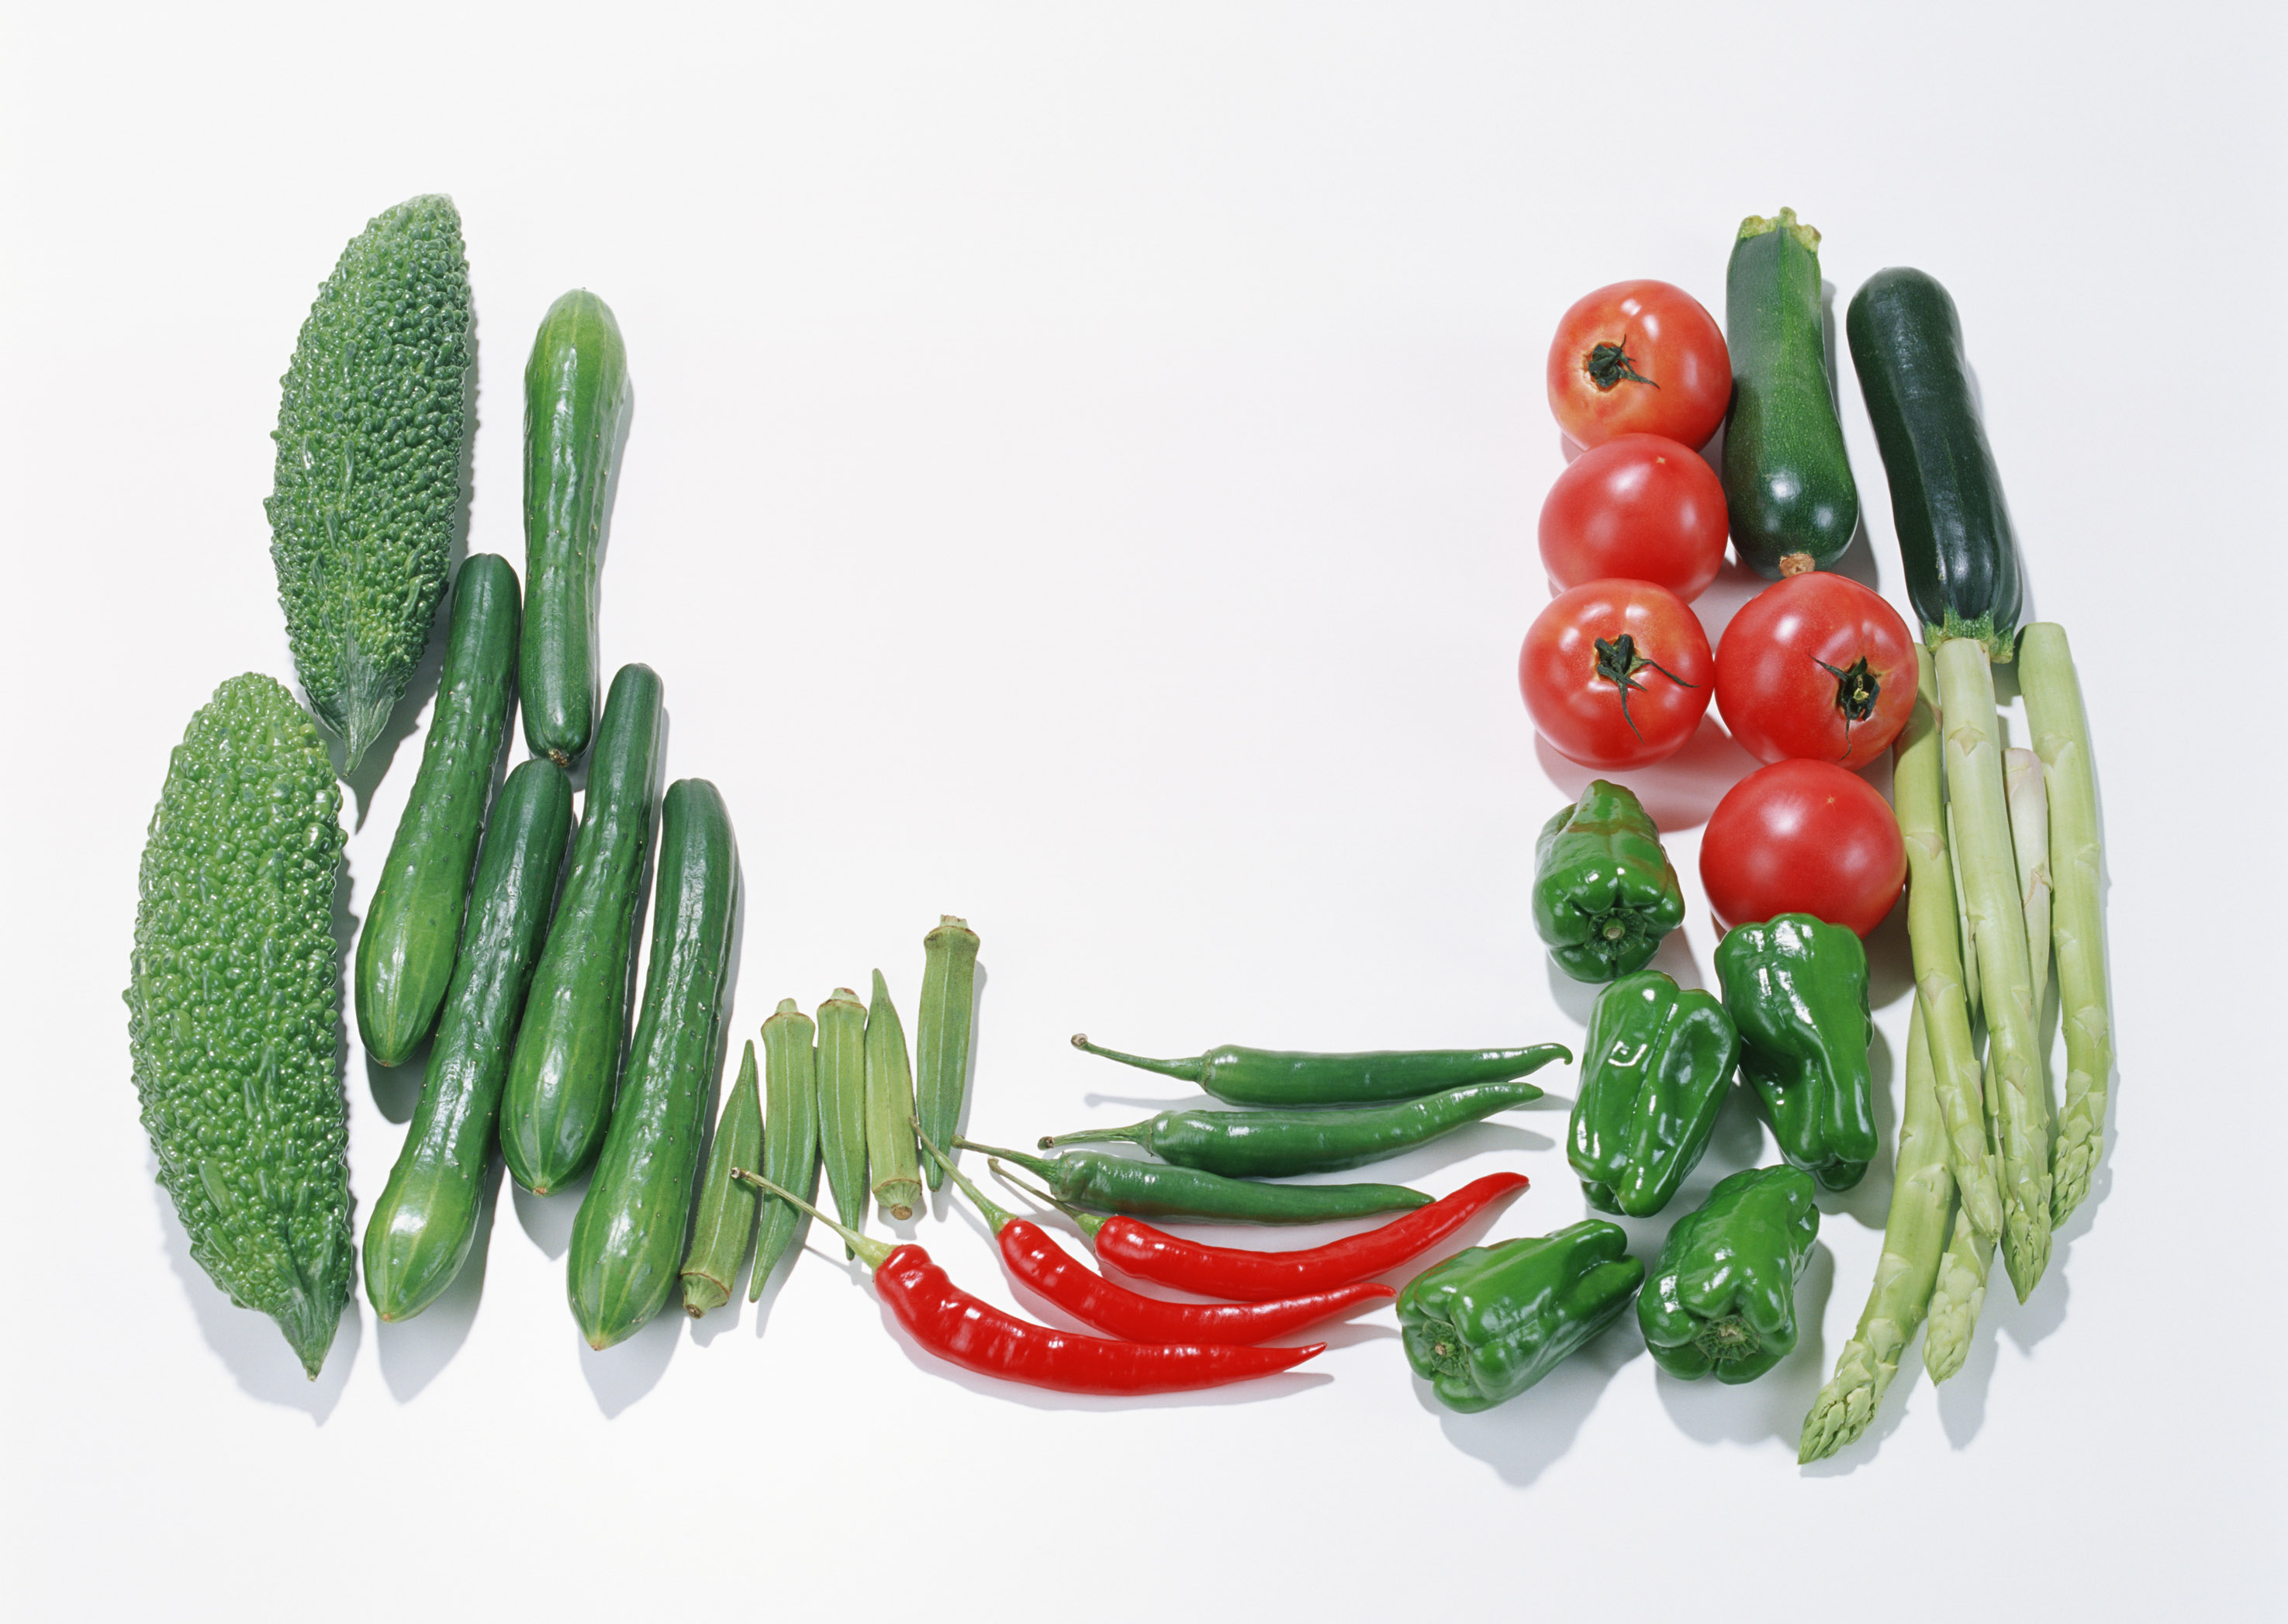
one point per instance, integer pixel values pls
(1722, 1296)
(1604, 894)
(1490, 1322)
(1796, 989)
(1654, 1074)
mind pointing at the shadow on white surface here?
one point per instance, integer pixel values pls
(249, 1341)
(621, 1375)
(1522, 1438)
(396, 1090)
(546, 1220)
(1773, 1405)
(1678, 794)
(414, 1353)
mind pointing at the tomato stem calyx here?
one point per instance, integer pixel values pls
(1619, 663)
(1609, 365)
(1856, 689)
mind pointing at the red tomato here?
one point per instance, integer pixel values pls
(1639, 357)
(1616, 673)
(1802, 837)
(1816, 666)
(1639, 507)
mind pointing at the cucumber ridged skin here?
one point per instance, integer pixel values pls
(1954, 540)
(1788, 489)
(566, 1058)
(422, 1226)
(627, 1249)
(576, 407)
(413, 928)
(234, 1002)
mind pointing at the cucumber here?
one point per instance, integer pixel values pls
(405, 950)
(1955, 539)
(422, 1227)
(1787, 480)
(577, 406)
(568, 1051)
(627, 1245)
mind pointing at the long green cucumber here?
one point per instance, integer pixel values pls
(1787, 478)
(422, 1226)
(627, 1240)
(790, 1134)
(568, 1050)
(1954, 540)
(405, 950)
(577, 406)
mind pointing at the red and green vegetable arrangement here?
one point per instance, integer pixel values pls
(502, 936)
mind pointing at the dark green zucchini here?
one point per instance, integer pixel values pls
(1954, 540)
(421, 1228)
(576, 407)
(405, 950)
(1787, 480)
(568, 1050)
(626, 1255)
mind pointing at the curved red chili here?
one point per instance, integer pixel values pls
(977, 1336)
(1034, 1259)
(1241, 1275)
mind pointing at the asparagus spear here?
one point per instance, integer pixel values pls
(1933, 928)
(1914, 1237)
(2029, 840)
(2061, 731)
(1989, 875)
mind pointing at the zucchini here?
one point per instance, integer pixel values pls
(421, 1228)
(1787, 478)
(405, 950)
(577, 406)
(626, 1255)
(1954, 540)
(559, 1096)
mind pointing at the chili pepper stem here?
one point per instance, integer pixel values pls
(1193, 1068)
(875, 1251)
(1129, 1135)
(1039, 1166)
(998, 1217)
(1088, 1222)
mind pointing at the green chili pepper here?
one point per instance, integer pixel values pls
(1240, 1076)
(1796, 989)
(1722, 1296)
(1149, 1190)
(725, 1224)
(791, 1137)
(1276, 1144)
(941, 1037)
(1654, 1073)
(842, 1104)
(1490, 1322)
(891, 1158)
(1604, 892)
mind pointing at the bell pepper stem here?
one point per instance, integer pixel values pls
(875, 1251)
(998, 1217)
(1088, 1222)
(1193, 1068)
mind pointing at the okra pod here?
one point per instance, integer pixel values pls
(790, 1140)
(941, 1037)
(842, 1104)
(726, 1206)
(893, 1163)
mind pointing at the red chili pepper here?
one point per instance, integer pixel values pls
(1241, 1275)
(1034, 1259)
(977, 1336)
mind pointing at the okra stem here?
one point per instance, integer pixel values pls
(875, 1251)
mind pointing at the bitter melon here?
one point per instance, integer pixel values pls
(234, 1008)
(373, 437)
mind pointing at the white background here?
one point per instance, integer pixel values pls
(1083, 477)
